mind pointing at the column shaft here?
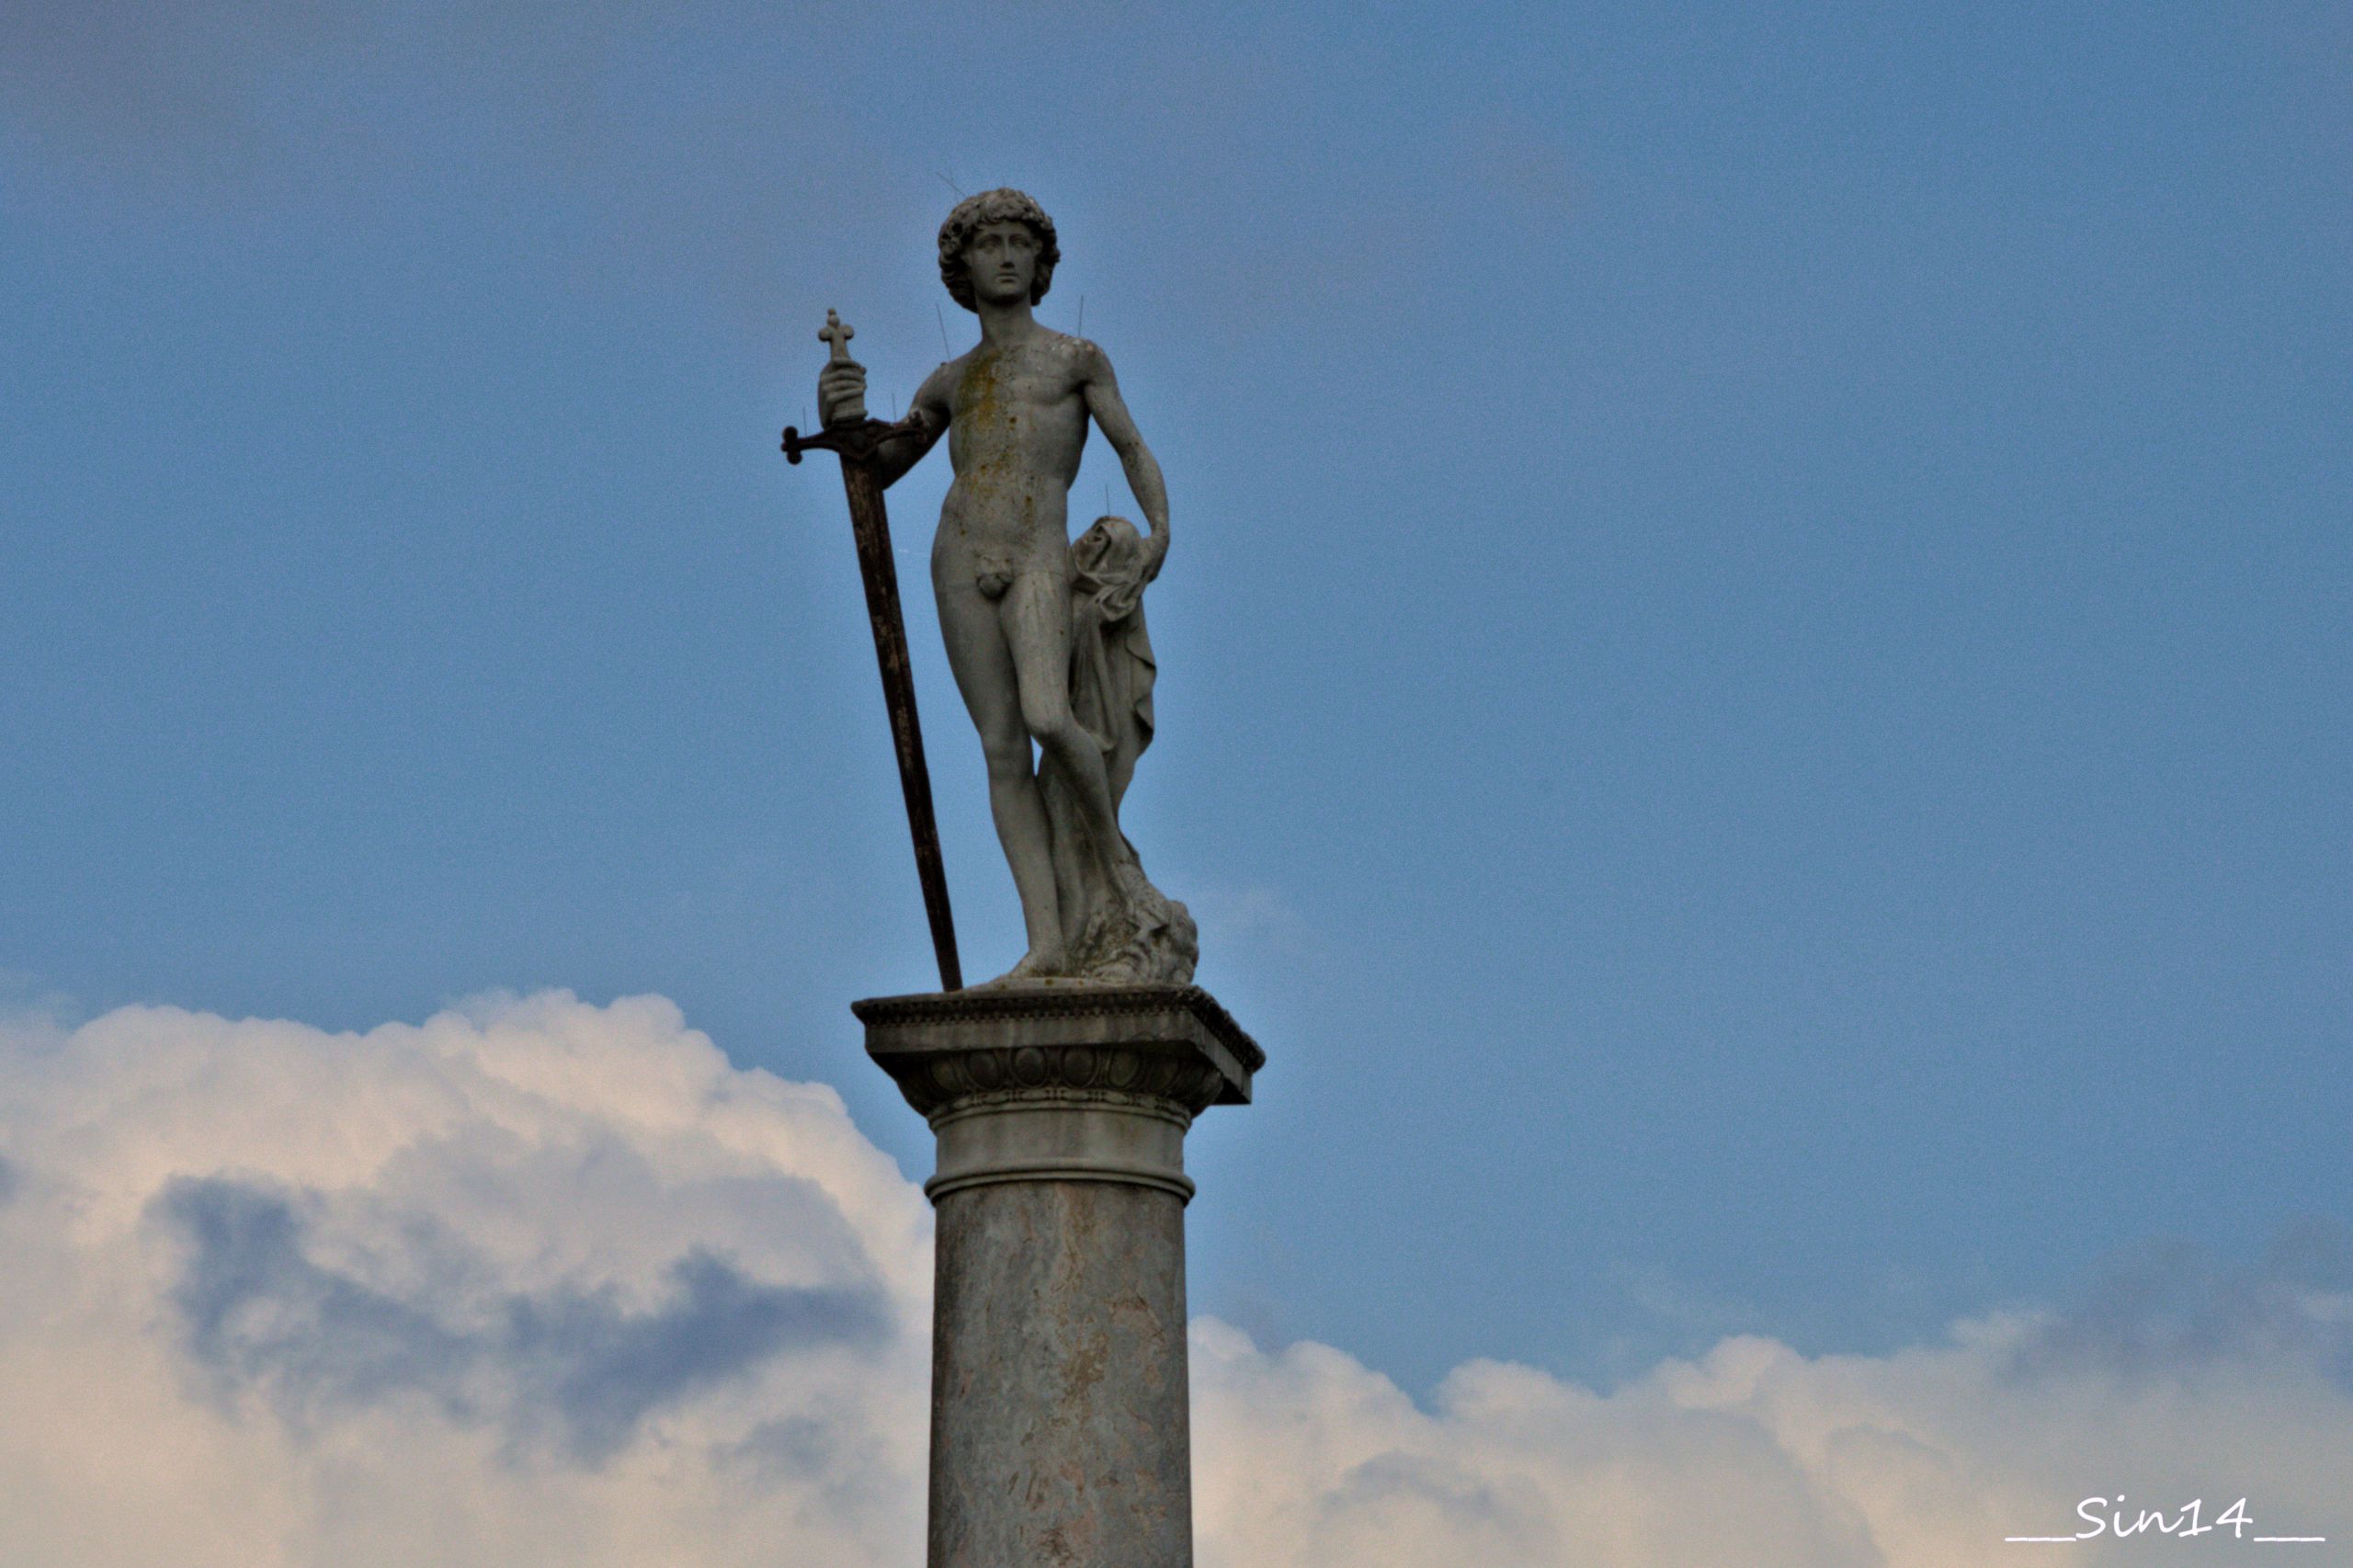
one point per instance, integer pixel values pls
(1059, 1428)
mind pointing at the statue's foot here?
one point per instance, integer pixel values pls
(1038, 963)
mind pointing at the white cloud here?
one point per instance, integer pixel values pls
(540, 1282)
(533, 1282)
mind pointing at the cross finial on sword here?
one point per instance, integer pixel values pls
(836, 335)
(847, 408)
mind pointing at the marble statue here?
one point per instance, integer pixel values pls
(1046, 638)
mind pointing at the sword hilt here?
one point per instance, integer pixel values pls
(852, 443)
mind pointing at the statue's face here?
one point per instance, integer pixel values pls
(1002, 261)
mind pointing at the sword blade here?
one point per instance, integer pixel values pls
(870, 526)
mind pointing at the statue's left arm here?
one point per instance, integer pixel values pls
(1119, 428)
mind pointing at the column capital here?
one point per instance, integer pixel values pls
(1060, 1083)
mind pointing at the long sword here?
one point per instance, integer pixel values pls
(853, 438)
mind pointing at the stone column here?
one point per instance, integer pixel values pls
(1059, 1437)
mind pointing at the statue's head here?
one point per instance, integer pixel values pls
(975, 218)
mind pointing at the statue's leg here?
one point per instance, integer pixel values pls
(983, 667)
(1035, 614)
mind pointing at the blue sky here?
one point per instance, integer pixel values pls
(1754, 676)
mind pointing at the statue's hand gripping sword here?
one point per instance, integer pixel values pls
(854, 438)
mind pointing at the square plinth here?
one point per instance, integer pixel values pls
(908, 1036)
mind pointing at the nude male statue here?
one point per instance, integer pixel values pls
(1014, 410)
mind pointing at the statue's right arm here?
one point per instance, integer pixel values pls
(926, 421)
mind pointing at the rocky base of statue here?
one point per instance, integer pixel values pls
(1141, 936)
(1117, 929)
(1060, 1426)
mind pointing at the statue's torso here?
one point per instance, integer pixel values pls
(1017, 430)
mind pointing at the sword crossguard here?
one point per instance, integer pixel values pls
(853, 443)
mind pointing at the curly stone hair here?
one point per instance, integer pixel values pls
(976, 212)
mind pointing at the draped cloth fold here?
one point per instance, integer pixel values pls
(1123, 931)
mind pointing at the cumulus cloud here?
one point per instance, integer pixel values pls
(1755, 1455)
(533, 1282)
(541, 1282)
